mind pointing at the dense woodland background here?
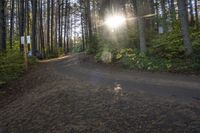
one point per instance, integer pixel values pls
(158, 34)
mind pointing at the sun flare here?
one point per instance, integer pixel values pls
(115, 21)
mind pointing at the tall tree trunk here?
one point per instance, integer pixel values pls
(164, 13)
(17, 15)
(157, 15)
(191, 12)
(28, 21)
(52, 24)
(12, 23)
(48, 26)
(21, 21)
(89, 24)
(141, 25)
(86, 26)
(71, 31)
(56, 26)
(34, 26)
(41, 29)
(185, 26)
(59, 24)
(173, 12)
(196, 13)
(82, 32)
(2, 25)
(66, 27)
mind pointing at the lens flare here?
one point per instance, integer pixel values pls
(115, 21)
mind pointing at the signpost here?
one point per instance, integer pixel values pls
(22, 40)
(161, 30)
(25, 41)
(28, 39)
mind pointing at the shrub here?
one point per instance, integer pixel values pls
(104, 55)
(132, 59)
(167, 46)
(11, 66)
(78, 48)
(165, 53)
(170, 45)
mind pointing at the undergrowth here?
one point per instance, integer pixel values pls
(12, 65)
(165, 53)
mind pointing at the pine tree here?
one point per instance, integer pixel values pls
(2, 25)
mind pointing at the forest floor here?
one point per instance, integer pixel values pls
(74, 94)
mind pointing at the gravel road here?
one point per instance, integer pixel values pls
(74, 94)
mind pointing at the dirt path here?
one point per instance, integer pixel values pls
(183, 88)
(71, 95)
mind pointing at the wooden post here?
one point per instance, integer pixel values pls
(25, 52)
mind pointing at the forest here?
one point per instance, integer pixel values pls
(99, 66)
(152, 35)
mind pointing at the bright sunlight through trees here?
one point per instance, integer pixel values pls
(115, 21)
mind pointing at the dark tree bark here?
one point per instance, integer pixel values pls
(52, 24)
(68, 25)
(12, 23)
(82, 30)
(191, 12)
(56, 26)
(157, 15)
(86, 25)
(48, 26)
(173, 12)
(2, 25)
(27, 2)
(66, 28)
(185, 26)
(196, 13)
(34, 26)
(59, 24)
(141, 25)
(21, 21)
(89, 24)
(41, 29)
(164, 18)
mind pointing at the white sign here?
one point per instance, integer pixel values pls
(22, 40)
(161, 30)
(28, 40)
